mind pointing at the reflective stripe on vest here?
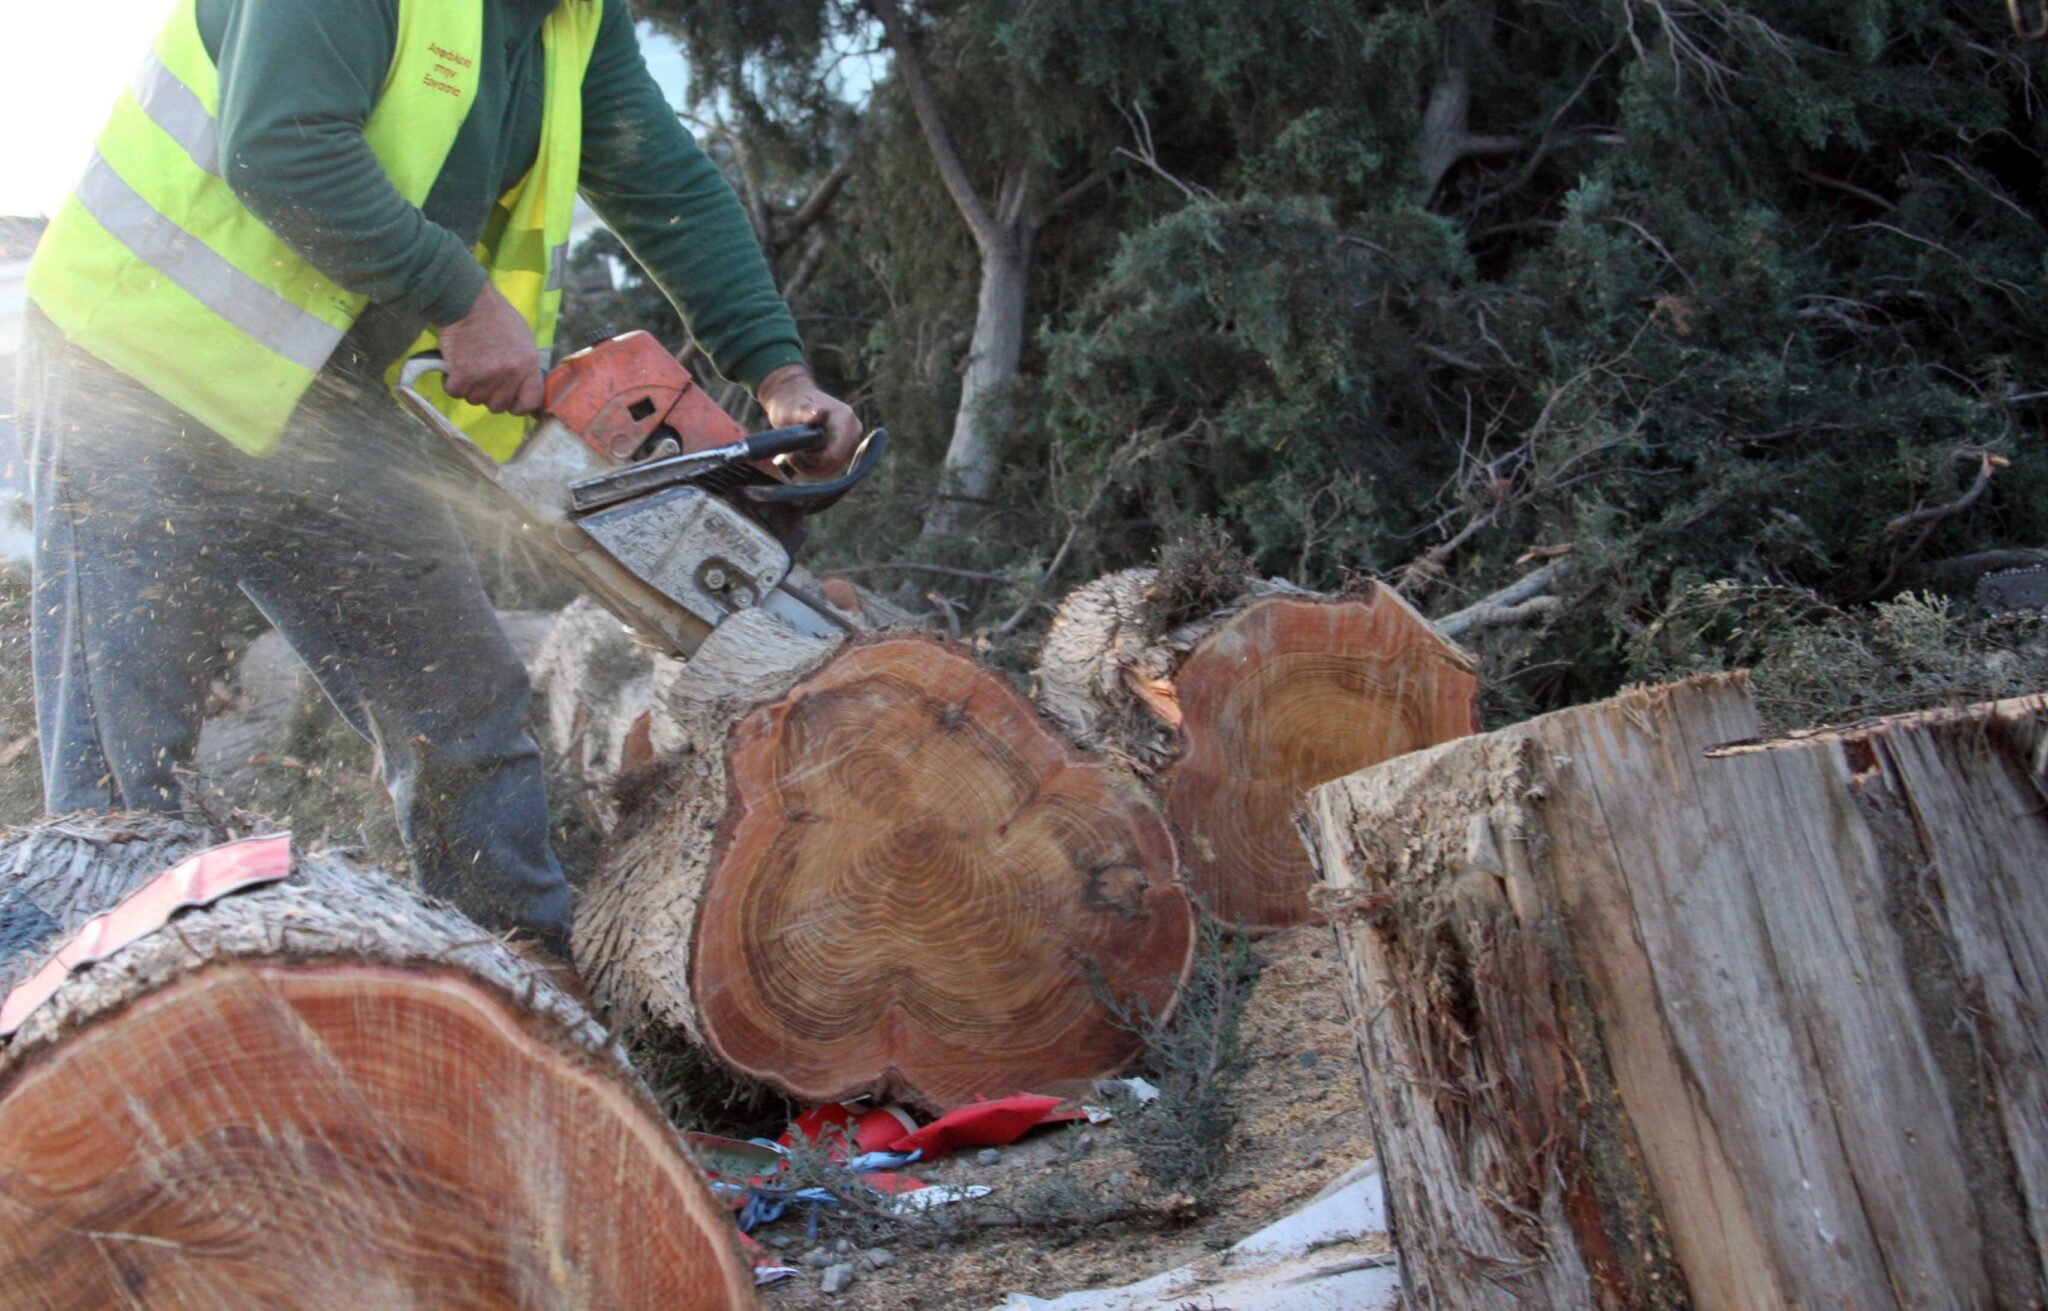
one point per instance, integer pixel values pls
(155, 266)
(178, 110)
(255, 309)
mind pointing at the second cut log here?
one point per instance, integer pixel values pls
(1243, 708)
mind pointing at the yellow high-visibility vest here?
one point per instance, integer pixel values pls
(155, 266)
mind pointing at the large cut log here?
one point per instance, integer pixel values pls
(875, 870)
(1244, 707)
(323, 1093)
(1649, 1023)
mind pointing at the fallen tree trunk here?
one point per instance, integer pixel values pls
(321, 1093)
(872, 869)
(1649, 1023)
(1245, 706)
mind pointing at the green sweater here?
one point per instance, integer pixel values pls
(298, 79)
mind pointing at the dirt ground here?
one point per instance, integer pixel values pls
(1302, 1123)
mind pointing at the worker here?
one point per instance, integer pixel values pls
(289, 198)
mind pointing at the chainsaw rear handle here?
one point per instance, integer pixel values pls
(809, 498)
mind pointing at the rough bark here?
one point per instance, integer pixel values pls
(1649, 1023)
(323, 1093)
(873, 869)
(596, 689)
(1240, 710)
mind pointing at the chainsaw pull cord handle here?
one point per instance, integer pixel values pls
(809, 498)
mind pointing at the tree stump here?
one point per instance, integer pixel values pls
(1242, 709)
(1650, 1022)
(322, 1093)
(875, 870)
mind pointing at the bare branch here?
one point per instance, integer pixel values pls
(916, 567)
(1518, 602)
(1060, 203)
(820, 200)
(1148, 155)
(1988, 465)
(925, 102)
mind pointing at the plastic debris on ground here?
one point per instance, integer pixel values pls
(1331, 1255)
(872, 1143)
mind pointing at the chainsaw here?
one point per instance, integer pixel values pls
(657, 503)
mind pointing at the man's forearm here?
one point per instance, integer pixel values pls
(297, 84)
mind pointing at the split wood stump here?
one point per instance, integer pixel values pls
(873, 869)
(1244, 708)
(322, 1093)
(1649, 1021)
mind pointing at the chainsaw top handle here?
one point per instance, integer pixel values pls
(809, 498)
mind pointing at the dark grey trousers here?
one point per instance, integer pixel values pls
(147, 524)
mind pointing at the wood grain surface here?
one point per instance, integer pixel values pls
(1653, 1021)
(927, 895)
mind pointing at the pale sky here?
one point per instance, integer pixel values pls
(62, 62)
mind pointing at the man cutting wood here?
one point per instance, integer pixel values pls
(291, 197)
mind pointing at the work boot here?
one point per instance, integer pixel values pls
(557, 972)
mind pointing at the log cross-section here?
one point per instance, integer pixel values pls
(1243, 709)
(323, 1093)
(926, 894)
(878, 871)
(1650, 1021)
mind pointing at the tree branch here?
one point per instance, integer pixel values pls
(925, 102)
(820, 200)
(1988, 465)
(916, 567)
(1517, 603)
(1060, 203)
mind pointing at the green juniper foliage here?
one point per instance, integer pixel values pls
(1713, 293)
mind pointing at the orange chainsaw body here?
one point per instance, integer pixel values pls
(624, 391)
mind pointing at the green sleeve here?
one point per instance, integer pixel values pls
(645, 176)
(297, 83)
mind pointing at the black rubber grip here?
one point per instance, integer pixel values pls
(783, 441)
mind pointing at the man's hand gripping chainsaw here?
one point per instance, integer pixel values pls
(659, 505)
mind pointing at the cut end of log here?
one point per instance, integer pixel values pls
(342, 1135)
(325, 1093)
(1291, 693)
(926, 895)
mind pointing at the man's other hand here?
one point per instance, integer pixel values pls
(792, 398)
(492, 359)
